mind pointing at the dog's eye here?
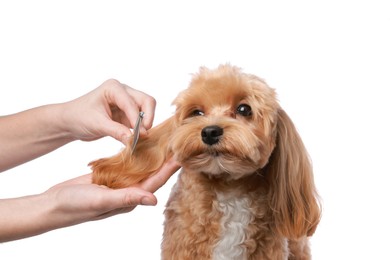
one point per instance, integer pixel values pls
(197, 112)
(244, 110)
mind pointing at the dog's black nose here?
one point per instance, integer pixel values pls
(211, 134)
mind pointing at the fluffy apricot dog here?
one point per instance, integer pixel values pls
(246, 188)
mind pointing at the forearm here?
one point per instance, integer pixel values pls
(29, 134)
(24, 217)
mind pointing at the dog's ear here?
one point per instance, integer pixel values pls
(125, 168)
(293, 195)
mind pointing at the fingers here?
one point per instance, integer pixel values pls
(114, 202)
(118, 131)
(156, 181)
(117, 95)
(125, 200)
(135, 196)
(131, 101)
(147, 105)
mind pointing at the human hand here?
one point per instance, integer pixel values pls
(79, 200)
(109, 110)
(73, 202)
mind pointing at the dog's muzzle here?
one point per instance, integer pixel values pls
(211, 134)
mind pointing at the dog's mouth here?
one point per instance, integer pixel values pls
(215, 153)
(217, 162)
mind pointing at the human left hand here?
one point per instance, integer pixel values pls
(79, 200)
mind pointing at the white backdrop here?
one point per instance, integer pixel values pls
(329, 62)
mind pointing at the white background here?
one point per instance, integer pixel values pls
(328, 60)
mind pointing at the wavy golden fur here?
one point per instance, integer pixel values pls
(246, 189)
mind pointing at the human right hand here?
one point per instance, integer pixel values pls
(109, 110)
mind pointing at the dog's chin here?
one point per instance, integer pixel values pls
(221, 165)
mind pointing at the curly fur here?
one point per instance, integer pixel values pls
(250, 195)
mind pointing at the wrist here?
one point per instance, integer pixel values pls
(24, 217)
(60, 123)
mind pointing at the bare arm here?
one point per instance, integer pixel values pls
(27, 135)
(73, 202)
(109, 110)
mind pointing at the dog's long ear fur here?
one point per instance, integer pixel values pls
(293, 195)
(125, 169)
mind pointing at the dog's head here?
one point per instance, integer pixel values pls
(225, 123)
(228, 124)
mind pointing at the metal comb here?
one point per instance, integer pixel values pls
(136, 131)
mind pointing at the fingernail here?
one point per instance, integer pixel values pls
(147, 201)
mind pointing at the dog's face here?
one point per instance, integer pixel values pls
(225, 123)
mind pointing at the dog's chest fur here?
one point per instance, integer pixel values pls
(236, 216)
(209, 220)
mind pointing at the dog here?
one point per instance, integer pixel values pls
(246, 189)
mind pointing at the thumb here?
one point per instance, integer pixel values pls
(124, 200)
(135, 196)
